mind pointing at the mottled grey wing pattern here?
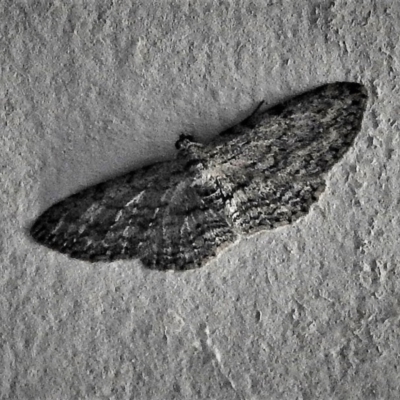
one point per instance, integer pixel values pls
(264, 172)
(272, 167)
(154, 213)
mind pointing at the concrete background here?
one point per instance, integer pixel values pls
(93, 89)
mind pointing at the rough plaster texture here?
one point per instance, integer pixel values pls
(93, 89)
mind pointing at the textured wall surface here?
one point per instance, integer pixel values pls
(93, 89)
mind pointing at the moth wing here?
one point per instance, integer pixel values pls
(153, 213)
(267, 204)
(108, 220)
(187, 234)
(272, 171)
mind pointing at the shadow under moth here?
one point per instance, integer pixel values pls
(260, 174)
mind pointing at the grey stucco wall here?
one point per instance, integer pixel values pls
(93, 89)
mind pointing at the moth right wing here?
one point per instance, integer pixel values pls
(260, 204)
(273, 170)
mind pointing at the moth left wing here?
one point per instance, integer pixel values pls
(154, 213)
(108, 221)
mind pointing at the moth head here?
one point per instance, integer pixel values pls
(184, 141)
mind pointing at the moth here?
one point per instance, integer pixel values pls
(260, 174)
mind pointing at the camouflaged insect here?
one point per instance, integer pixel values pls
(263, 173)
